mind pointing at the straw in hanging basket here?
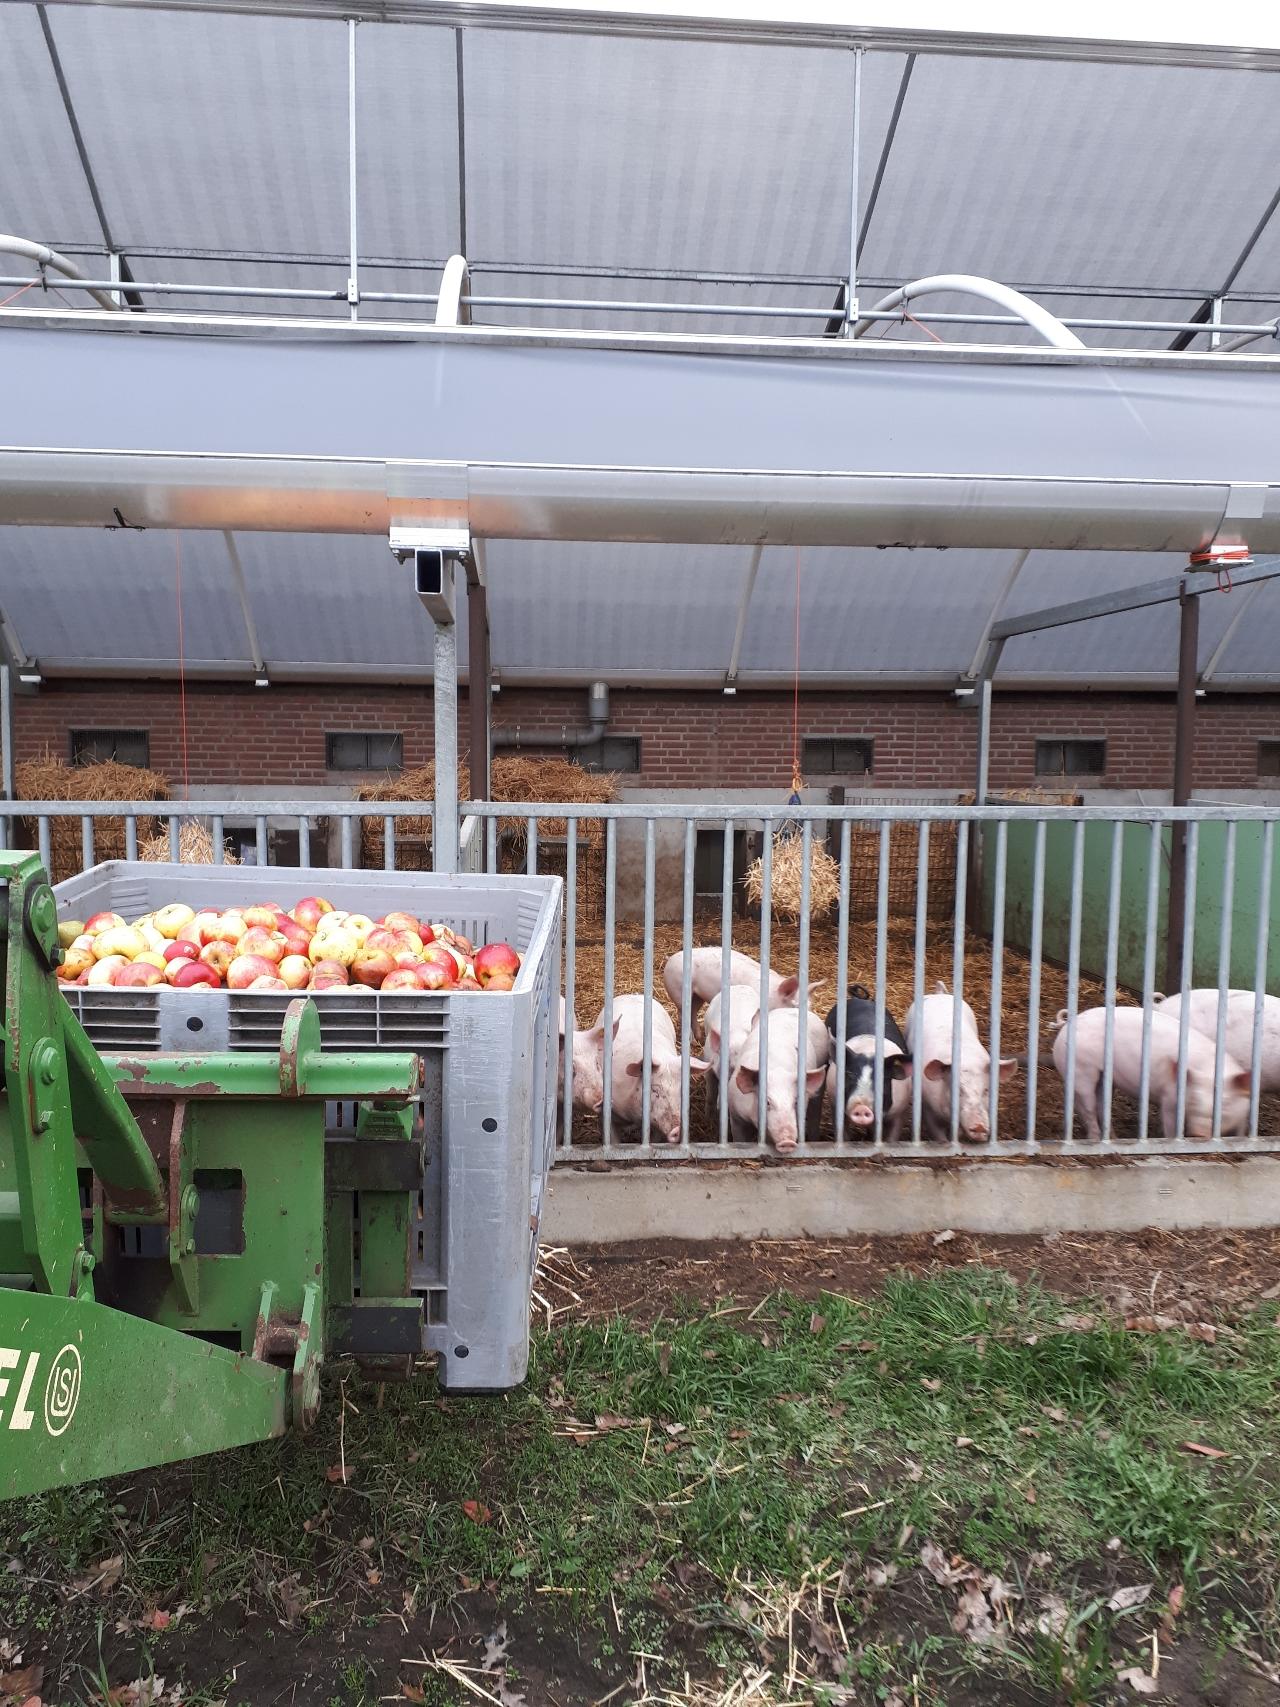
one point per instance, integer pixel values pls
(787, 885)
(195, 847)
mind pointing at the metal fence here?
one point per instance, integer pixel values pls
(1047, 909)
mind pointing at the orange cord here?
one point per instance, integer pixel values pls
(17, 293)
(182, 678)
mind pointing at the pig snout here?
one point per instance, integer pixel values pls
(861, 1114)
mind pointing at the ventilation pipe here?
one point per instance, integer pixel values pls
(512, 736)
(1039, 319)
(43, 256)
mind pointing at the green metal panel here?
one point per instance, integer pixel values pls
(1210, 867)
(86, 1391)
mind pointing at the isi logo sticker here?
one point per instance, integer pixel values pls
(61, 1389)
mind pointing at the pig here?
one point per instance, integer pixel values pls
(1202, 1012)
(744, 1006)
(789, 1030)
(588, 1066)
(1090, 1029)
(859, 1070)
(929, 1045)
(628, 1066)
(743, 970)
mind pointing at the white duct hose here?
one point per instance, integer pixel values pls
(1039, 319)
(43, 256)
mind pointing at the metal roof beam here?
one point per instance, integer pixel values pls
(1205, 313)
(744, 603)
(1001, 600)
(246, 609)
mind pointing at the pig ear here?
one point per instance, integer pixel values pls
(1241, 1081)
(696, 1066)
(934, 1069)
(596, 1034)
(1008, 1067)
(634, 1069)
(746, 1078)
(788, 988)
(713, 1039)
(814, 1080)
(897, 1066)
(617, 1027)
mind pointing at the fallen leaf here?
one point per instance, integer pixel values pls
(879, 1575)
(931, 1384)
(913, 1470)
(365, 1543)
(1078, 1324)
(685, 1571)
(1029, 1495)
(21, 1685)
(1150, 1324)
(1271, 1292)
(373, 1578)
(1038, 1561)
(964, 1440)
(817, 1323)
(1032, 1432)
(1125, 1598)
(675, 1428)
(340, 1473)
(866, 1345)
(1177, 1594)
(102, 1576)
(1113, 1546)
(475, 1511)
(1203, 1331)
(945, 1237)
(294, 1599)
(1204, 1451)
(1055, 1413)
(1138, 1680)
(940, 1568)
(158, 1620)
(1054, 1616)
(607, 1421)
(822, 1639)
(411, 1692)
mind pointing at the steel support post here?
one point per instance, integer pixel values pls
(855, 174)
(479, 690)
(353, 166)
(6, 737)
(982, 782)
(1183, 758)
(444, 830)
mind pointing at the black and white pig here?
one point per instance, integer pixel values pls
(860, 1068)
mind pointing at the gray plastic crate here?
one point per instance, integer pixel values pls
(489, 1101)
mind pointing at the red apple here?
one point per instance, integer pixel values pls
(500, 981)
(403, 922)
(75, 961)
(271, 945)
(268, 982)
(433, 975)
(293, 933)
(245, 968)
(469, 983)
(462, 943)
(406, 957)
(102, 922)
(194, 932)
(437, 954)
(403, 980)
(218, 957)
(182, 948)
(494, 958)
(308, 911)
(230, 927)
(328, 983)
(173, 918)
(139, 976)
(332, 969)
(192, 974)
(295, 969)
(104, 971)
(262, 916)
(381, 937)
(371, 966)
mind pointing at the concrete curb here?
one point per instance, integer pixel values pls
(819, 1200)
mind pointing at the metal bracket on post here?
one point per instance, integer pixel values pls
(435, 553)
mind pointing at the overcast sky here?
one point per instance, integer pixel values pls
(1242, 23)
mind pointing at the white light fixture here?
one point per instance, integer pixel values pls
(262, 681)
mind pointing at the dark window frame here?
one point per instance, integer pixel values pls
(78, 740)
(858, 750)
(1269, 758)
(368, 737)
(1065, 744)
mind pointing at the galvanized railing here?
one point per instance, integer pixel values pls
(1031, 898)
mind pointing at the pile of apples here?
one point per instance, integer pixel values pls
(314, 948)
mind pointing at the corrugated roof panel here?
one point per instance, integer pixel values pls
(286, 275)
(692, 155)
(43, 193)
(819, 298)
(1040, 171)
(211, 131)
(407, 131)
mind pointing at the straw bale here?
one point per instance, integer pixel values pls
(49, 778)
(195, 846)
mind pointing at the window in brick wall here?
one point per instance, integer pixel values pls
(361, 751)
(1070, 758)
(839, 755)
(98, 746)
(611, 753)
(1269, 758)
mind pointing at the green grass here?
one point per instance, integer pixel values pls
(956, 1408)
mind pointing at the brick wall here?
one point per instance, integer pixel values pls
(275, 736)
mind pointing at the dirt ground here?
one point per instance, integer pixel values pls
(1190, 1276)
(1017, 1021)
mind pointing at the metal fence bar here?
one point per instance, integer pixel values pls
(491, 844)
(726, 982)
(610, 916)
(388, 844)
(646, 1066)
(842, 989)
(882, 977)
(686, 982)
(1224, 975)
(348, 856)
(570, 968)
(998, 882)
(1033, 983)
(766, 942)
(1109, 996)
(957, 981)
(917, 999)
(802, 995)
(260, 840)
(1073, 983)
(1155, 861)
(1188, 950)
(175, 838)
(304, 840)
(218, 836)
(44, 836)
(1260, 972)
(86, 840)
(131, 838)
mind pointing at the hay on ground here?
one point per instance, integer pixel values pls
(48, 778)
